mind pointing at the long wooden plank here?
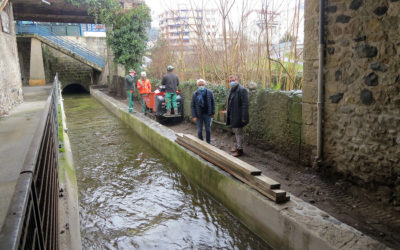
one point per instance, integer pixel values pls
(222, 162)
(233, 162)
(222, 153)
(262, 181)
(276, 195)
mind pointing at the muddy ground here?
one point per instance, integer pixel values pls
(344, 201)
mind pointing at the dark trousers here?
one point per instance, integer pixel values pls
(206, 119)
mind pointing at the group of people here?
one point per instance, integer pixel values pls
(143, 85)
(170, 81)
(203, 110)
(202, 104)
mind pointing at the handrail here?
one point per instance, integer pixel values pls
(68, 44)
(32, 217)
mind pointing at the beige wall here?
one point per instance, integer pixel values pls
(10, 76)
(95, 44)
(362, 91)
(36, 75)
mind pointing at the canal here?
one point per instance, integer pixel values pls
(132, 198)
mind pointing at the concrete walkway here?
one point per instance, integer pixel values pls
(16, 133)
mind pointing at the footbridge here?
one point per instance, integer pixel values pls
(60, 11)
(62, 44)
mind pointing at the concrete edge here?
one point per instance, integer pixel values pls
(293, 225)
(68, 205)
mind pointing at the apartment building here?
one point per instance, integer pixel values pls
(265, 25)
(186, 28)
(129, 4)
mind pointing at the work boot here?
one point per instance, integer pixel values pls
(238, 153)
(168, 112)
(234, 149)
(175, 111)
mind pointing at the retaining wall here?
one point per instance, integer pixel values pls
(68, 205)
(293, 225)
(70, 70)
(10, 75)
(275, 120)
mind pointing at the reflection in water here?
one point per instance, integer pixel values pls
(130, 197)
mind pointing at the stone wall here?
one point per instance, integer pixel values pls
(95, 44)
(310, 73)
(275, 120)
(10, 76)
(70, 71)
(362, 91)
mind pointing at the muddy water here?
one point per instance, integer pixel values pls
(132, 198)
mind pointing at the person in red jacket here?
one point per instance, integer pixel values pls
(144, 87)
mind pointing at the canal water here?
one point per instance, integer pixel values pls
(132, 198)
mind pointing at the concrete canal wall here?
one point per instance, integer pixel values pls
(293, 225)
(69, 206)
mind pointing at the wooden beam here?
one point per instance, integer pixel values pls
(232, 162)
(263, 184)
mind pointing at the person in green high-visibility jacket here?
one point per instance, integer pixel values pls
(130, 81)
(171, 82)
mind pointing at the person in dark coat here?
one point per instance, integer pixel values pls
(237, 113)
(203, 109)
(171, 82)
(130, 79)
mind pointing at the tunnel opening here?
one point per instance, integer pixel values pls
(74, 88)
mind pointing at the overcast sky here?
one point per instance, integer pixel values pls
(159, 6)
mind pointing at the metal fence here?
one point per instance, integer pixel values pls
(66, 43)
(32, 218)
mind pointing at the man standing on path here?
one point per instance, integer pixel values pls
(237, 113)
(130, 87)
(171, 82)
(203, 109)
(144, 87)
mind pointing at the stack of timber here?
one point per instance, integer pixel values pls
(238, 168)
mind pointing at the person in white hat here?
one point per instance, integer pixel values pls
(144, 87)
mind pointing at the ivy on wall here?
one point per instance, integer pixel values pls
(128, 36)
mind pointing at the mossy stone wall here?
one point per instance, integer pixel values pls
(275, 119)
(275, 122)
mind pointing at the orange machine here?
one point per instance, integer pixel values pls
(155, 103)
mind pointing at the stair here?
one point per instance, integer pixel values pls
(65, 45)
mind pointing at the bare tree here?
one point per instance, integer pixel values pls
(224, 8)
(161, 54)
(247, 46)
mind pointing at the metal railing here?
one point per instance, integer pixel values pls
(66, 43)
(32, 218)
